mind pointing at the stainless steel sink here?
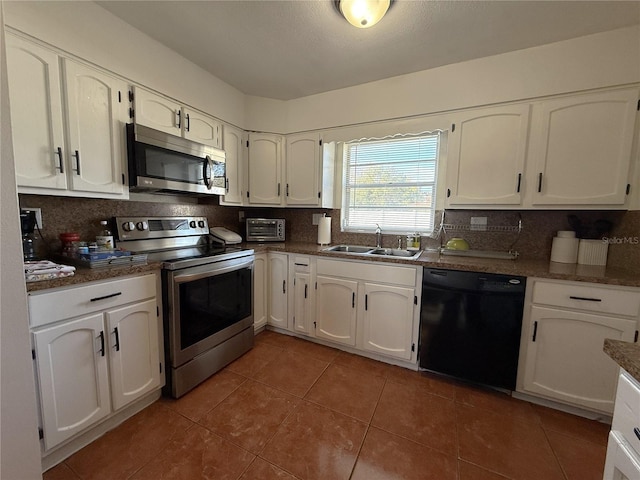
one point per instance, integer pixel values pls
(350, 249)
(396, 252)
(366, 251)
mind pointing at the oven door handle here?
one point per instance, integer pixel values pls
(191, 277)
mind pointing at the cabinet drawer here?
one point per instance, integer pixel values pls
(626, 417)
(50, 307)
(587, 297)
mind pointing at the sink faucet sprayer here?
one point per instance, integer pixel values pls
(378, 236)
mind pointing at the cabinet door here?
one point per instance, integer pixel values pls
(202, 128)
(486, 157)
(265, 164)
(155, 111)
(582, 149)
(95, 125)
(278, 270)
(388, 320)
(36, 115)
(303, 169)
(134, 359)
(73, 376)
(336, 309)
(302, 303)
(564, 358)
(260, 282)
(234, 147)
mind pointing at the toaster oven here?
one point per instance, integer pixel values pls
(265, 229)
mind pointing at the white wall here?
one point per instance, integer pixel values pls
(88, 31)
(594, 61)
(19, 449)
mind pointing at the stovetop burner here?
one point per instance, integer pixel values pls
(176, 242)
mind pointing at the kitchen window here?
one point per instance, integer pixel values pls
(390, 182)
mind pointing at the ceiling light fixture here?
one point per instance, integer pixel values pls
(363, 13)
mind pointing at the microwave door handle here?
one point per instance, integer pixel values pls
(206, 168)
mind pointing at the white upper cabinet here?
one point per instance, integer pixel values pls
(486, 158)
(265, 169)
(67, 123)
(201, 128)
(581, 148)
(167, 115)
(36, 115)
(156, 111)
(95, 124)
(236, 156)
(303, 170)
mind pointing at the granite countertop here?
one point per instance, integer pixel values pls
(521, 267)
(626, 354)
(84, 275)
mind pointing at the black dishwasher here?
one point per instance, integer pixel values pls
(470, 325)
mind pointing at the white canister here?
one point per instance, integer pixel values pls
(564, 248)
(593, 252)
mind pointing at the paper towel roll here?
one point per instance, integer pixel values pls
(324, 231)
(564, 250)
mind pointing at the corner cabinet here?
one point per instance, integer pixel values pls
(235, 147)
(68, 124)
(97, 348)
(265, 169)
(581, 147)
(486, 159)
(164, 114)
(303, 170)
(563, 332)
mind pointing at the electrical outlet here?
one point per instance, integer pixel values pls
(38, 214)
(240, 216)
(479, 224)
(315, 220)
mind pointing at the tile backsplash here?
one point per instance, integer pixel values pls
(83, 215)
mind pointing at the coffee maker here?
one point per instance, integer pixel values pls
(28, 225)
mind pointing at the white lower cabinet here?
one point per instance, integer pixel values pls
(73, 377)
(133, 357)
(302, 296)
(371, 306)
(105, 355)
(260, 289)
(388, 320)
(278, 276)
(565, 324)
(336, 309)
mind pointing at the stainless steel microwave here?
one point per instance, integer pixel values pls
(265, 229)
(159, 162)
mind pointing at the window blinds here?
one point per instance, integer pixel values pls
(391, 182)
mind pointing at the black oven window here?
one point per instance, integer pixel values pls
(211, 304)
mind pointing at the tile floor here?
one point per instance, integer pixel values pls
(293, 409)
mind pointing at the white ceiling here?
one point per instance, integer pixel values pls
(290, 49)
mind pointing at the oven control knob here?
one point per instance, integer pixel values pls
(192, 224)
(201, 223)
(142, 226)
(128, 226)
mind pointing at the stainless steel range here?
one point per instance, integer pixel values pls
(207, 294)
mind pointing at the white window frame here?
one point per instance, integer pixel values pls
(347, 226)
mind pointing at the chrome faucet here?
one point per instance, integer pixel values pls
(399, 242)
(378, 237)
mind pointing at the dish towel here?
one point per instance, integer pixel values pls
(46, 270)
